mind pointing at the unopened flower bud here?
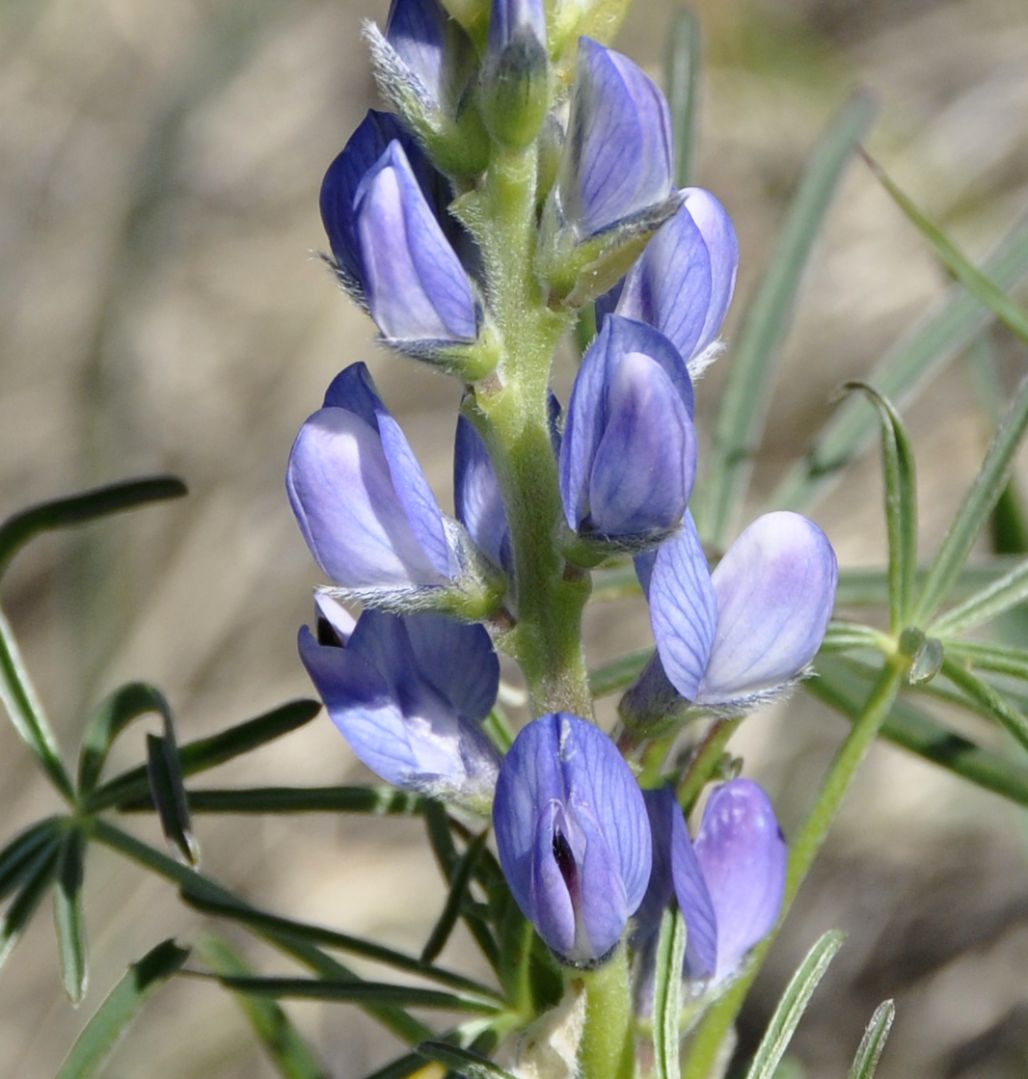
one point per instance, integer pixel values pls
(515, 90)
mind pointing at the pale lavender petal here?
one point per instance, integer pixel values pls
(415, 285)
(477, 496)
(458, 660)
(719, 235)
(743, 855)
(683, 609)
(418, 31)
(342, 493)
(512, 21)
(617, 159)
(775, 591)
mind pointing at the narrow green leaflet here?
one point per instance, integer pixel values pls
(16, 531)
(615, 582)
(869, 587)
(169, 794)
(743, 412)
(349, 991)
(984, 606)
(209, 752)
(115, 713)
(69, 920)
(975, 510)
(844, 688)
(285, 1045)
(26, 712)
(101, 1035)
(900, 478)
(667, 995)
(330, 938)
(37, 878)
(979, 284)
(989, 699)
(19, 856)
(793, 1004)
(374, 801)
(682, 69)
(932, 343)
(451, 912)
(997, 658)
(462, 1062)
(869, 1052)
(402, 1024)
(619, 673)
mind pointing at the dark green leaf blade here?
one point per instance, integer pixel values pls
(330, 938)
(451, 911)
(19, 856)
(619, 673)
(793, 1004)
(989, 699)
(38, 877)
(682, 68)
(348, 991)
(16, 531)
(285, 1045)
(900, 479)
(69, 920)
(743, 413)
(209, 752)
(26, 712)
(115, 713)
(930, 344)
(108, 1025)
(869, 1052)
(463, 1062)
(974, 512)
(667, 995)
(169, 794)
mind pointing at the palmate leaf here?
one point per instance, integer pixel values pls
(869, 1052)
(998, 597)
(94, 1045)
(900, 480)
(169, 793)
(16, 531)
(930, 344)
(37, 877)
(742, 415)
(667, 994)
(19, 856)
(69, 920)
(209, 752)
(844, 688)
(374, 801)
(793, 1004)
(285, 1045)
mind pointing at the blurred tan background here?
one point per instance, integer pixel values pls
(160, 311)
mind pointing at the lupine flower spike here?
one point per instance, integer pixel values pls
(572, 835)
(410, 693)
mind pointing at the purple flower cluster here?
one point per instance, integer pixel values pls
(583, 848)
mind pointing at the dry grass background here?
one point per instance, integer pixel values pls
(159, 168)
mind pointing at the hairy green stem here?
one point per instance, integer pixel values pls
(607, 1050)
(511, 410)
(717, 1024)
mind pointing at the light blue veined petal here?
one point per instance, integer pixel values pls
(415, 286)
(645, 464)
(458, 660)
(743, 856)
(775, 593)
(417, 30)
(617, 159)
(477, 496)
(719, 235)
(683, 609)
(342, 493)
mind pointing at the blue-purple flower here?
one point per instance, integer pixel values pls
(477, 497)
(741, 634)
(409, 693)
(729, 883)
(617, 156)
(628, 457)
(362, 500)
(682, 284)
(572, 835)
